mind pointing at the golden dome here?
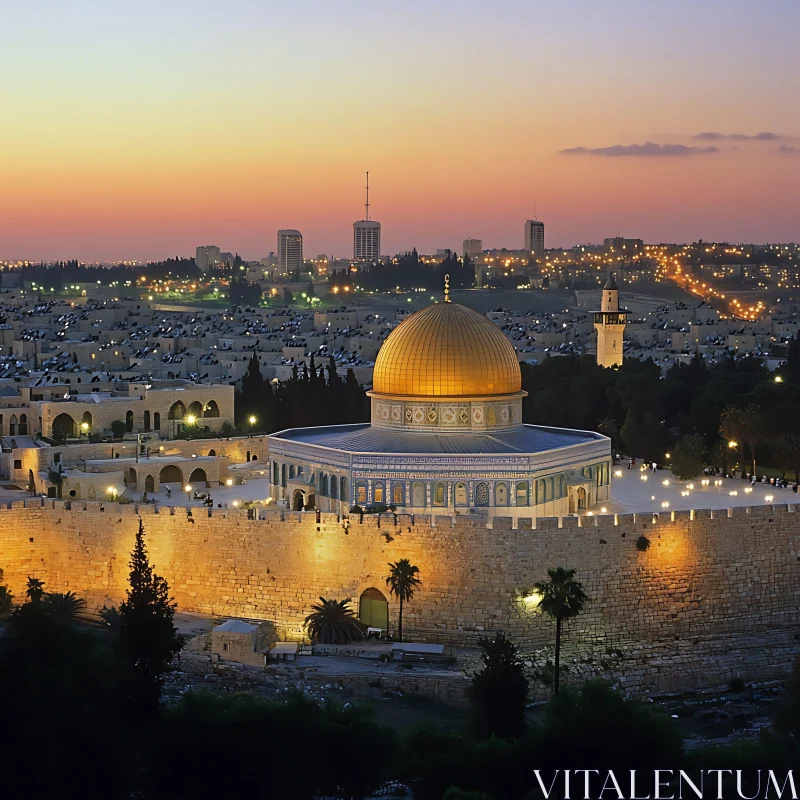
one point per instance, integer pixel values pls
(446, 350)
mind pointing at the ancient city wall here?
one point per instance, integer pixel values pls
(717, 594)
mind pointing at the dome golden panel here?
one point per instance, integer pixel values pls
(446, 350)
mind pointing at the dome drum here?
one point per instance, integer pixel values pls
(450, 414)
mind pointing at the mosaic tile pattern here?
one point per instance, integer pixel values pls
(446, 350)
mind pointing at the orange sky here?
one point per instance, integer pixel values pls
(141, 131)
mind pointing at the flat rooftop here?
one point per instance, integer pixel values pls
(365, 438)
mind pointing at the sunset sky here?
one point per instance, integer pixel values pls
(140, 130)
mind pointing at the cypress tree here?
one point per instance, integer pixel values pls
(148, 639)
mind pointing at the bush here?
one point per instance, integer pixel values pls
(499, 691)
(118, 428)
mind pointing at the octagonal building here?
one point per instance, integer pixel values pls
(446, 434)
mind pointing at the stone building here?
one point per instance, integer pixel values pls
(446, 433)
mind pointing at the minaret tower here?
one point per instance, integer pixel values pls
(609, 323)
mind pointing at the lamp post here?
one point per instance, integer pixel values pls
(188, 490)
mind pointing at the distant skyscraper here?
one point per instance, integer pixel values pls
(207, 256)
(472, 249)
(534, 237)
(290, 250)
(366, 236)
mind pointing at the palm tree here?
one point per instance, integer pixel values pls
(332, 622)
(66, 607)
(6, 602)
(731, 427)
(402, 583)
(35, 590)
(752, 429)
(562, 598)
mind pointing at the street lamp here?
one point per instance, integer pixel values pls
(733, 445)
(251, 420)
(188, 490)
(85, 428)
(112, 492)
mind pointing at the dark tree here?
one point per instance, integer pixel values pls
(562, 598)
(148, 639)
(499, 690)
(403, 583)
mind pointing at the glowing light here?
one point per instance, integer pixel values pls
(778, 379)
(251, 419)
(643, 477)
(604, 509)
(229, 482)
(665, 483)
(618, 473)
(732, 444)
(768, 498)
(187, 488)
(532, 598)
(191, 419)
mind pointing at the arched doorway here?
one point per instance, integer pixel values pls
(86, 423)
(170, 474)
(418, 494)
(149, 484)
(373, 609)
(581, 497)
(64, 425)
(198, 476)
(23, 424)
(129, 421)
(298, 500)
(176, 411)
(131, 482)
(461, 494)
(147, 420)
(195, 410)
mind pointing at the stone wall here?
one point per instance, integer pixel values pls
(715, 595)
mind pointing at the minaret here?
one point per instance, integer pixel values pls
(609, 323)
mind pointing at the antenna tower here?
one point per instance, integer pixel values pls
(366, 205)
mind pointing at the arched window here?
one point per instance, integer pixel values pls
(334, 488)
(23, 424)
(562, 486)
(291, 470)
(461, 494)
(129, 421)
(275, 473)
(439, 494)
(540, 491)
(418, 494)
(343, 491)
(501, 494)
(482, 494)
(323, 484)
(522, 493)
(283, 475)
(211, 409)
(397, 494)
(361, 494)
(377, 493)
(156, 421)
(147, 420)
(212, 452)
(177, 410)
(195, 410)
(549, 494)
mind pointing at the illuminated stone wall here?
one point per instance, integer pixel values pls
(714, 596)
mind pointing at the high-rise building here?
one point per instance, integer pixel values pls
(534, 237)
(366, 240)
(609, 322)
(472, 249)
(290, 250)
(207, 256)
(366, 236)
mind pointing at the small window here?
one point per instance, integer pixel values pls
(17, 463)
(378, 493)
(226, 646)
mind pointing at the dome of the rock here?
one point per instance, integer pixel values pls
(446, 350)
